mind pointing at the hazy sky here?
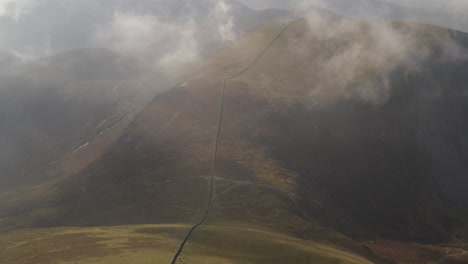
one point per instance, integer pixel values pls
(38, 28)
(262, 4)
(427, 4)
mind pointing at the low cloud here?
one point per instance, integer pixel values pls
(167, 44)
(14, 9)
(358, 58)
(225, 21)
(452, 5)
(161, 34)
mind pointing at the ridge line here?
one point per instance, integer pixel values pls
(218, 131)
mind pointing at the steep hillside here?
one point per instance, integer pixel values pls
(53, 107)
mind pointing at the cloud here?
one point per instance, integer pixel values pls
(356, 59)
(434, 4)
(133, 34)
(264, 4)
(150, 40)
(14, 9)
(185, 49)
(164, 43)
(158, 33)
(225, 21)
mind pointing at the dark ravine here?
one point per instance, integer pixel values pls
(216, 143)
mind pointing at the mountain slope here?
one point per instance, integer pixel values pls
(55, 105)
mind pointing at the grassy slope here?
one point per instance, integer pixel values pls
(123, 244)
(416, 253)
(141, 244)
(251, 244)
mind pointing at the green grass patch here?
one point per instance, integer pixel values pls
(220, 244)
(124, 244)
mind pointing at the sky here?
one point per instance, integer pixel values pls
(36, 28)
(159, 29)
(263, 4)
(447, 13)
(447, 5)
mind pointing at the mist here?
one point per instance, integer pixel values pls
(358, 57)
(160, 35)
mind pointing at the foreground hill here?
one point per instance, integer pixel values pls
(344, 137)
(141, 244)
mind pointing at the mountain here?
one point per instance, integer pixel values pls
(343, 145)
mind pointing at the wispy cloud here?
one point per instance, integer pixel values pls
(225, 21)
(14, 9)
(358, 58)
(162, 34)
(163, 43)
